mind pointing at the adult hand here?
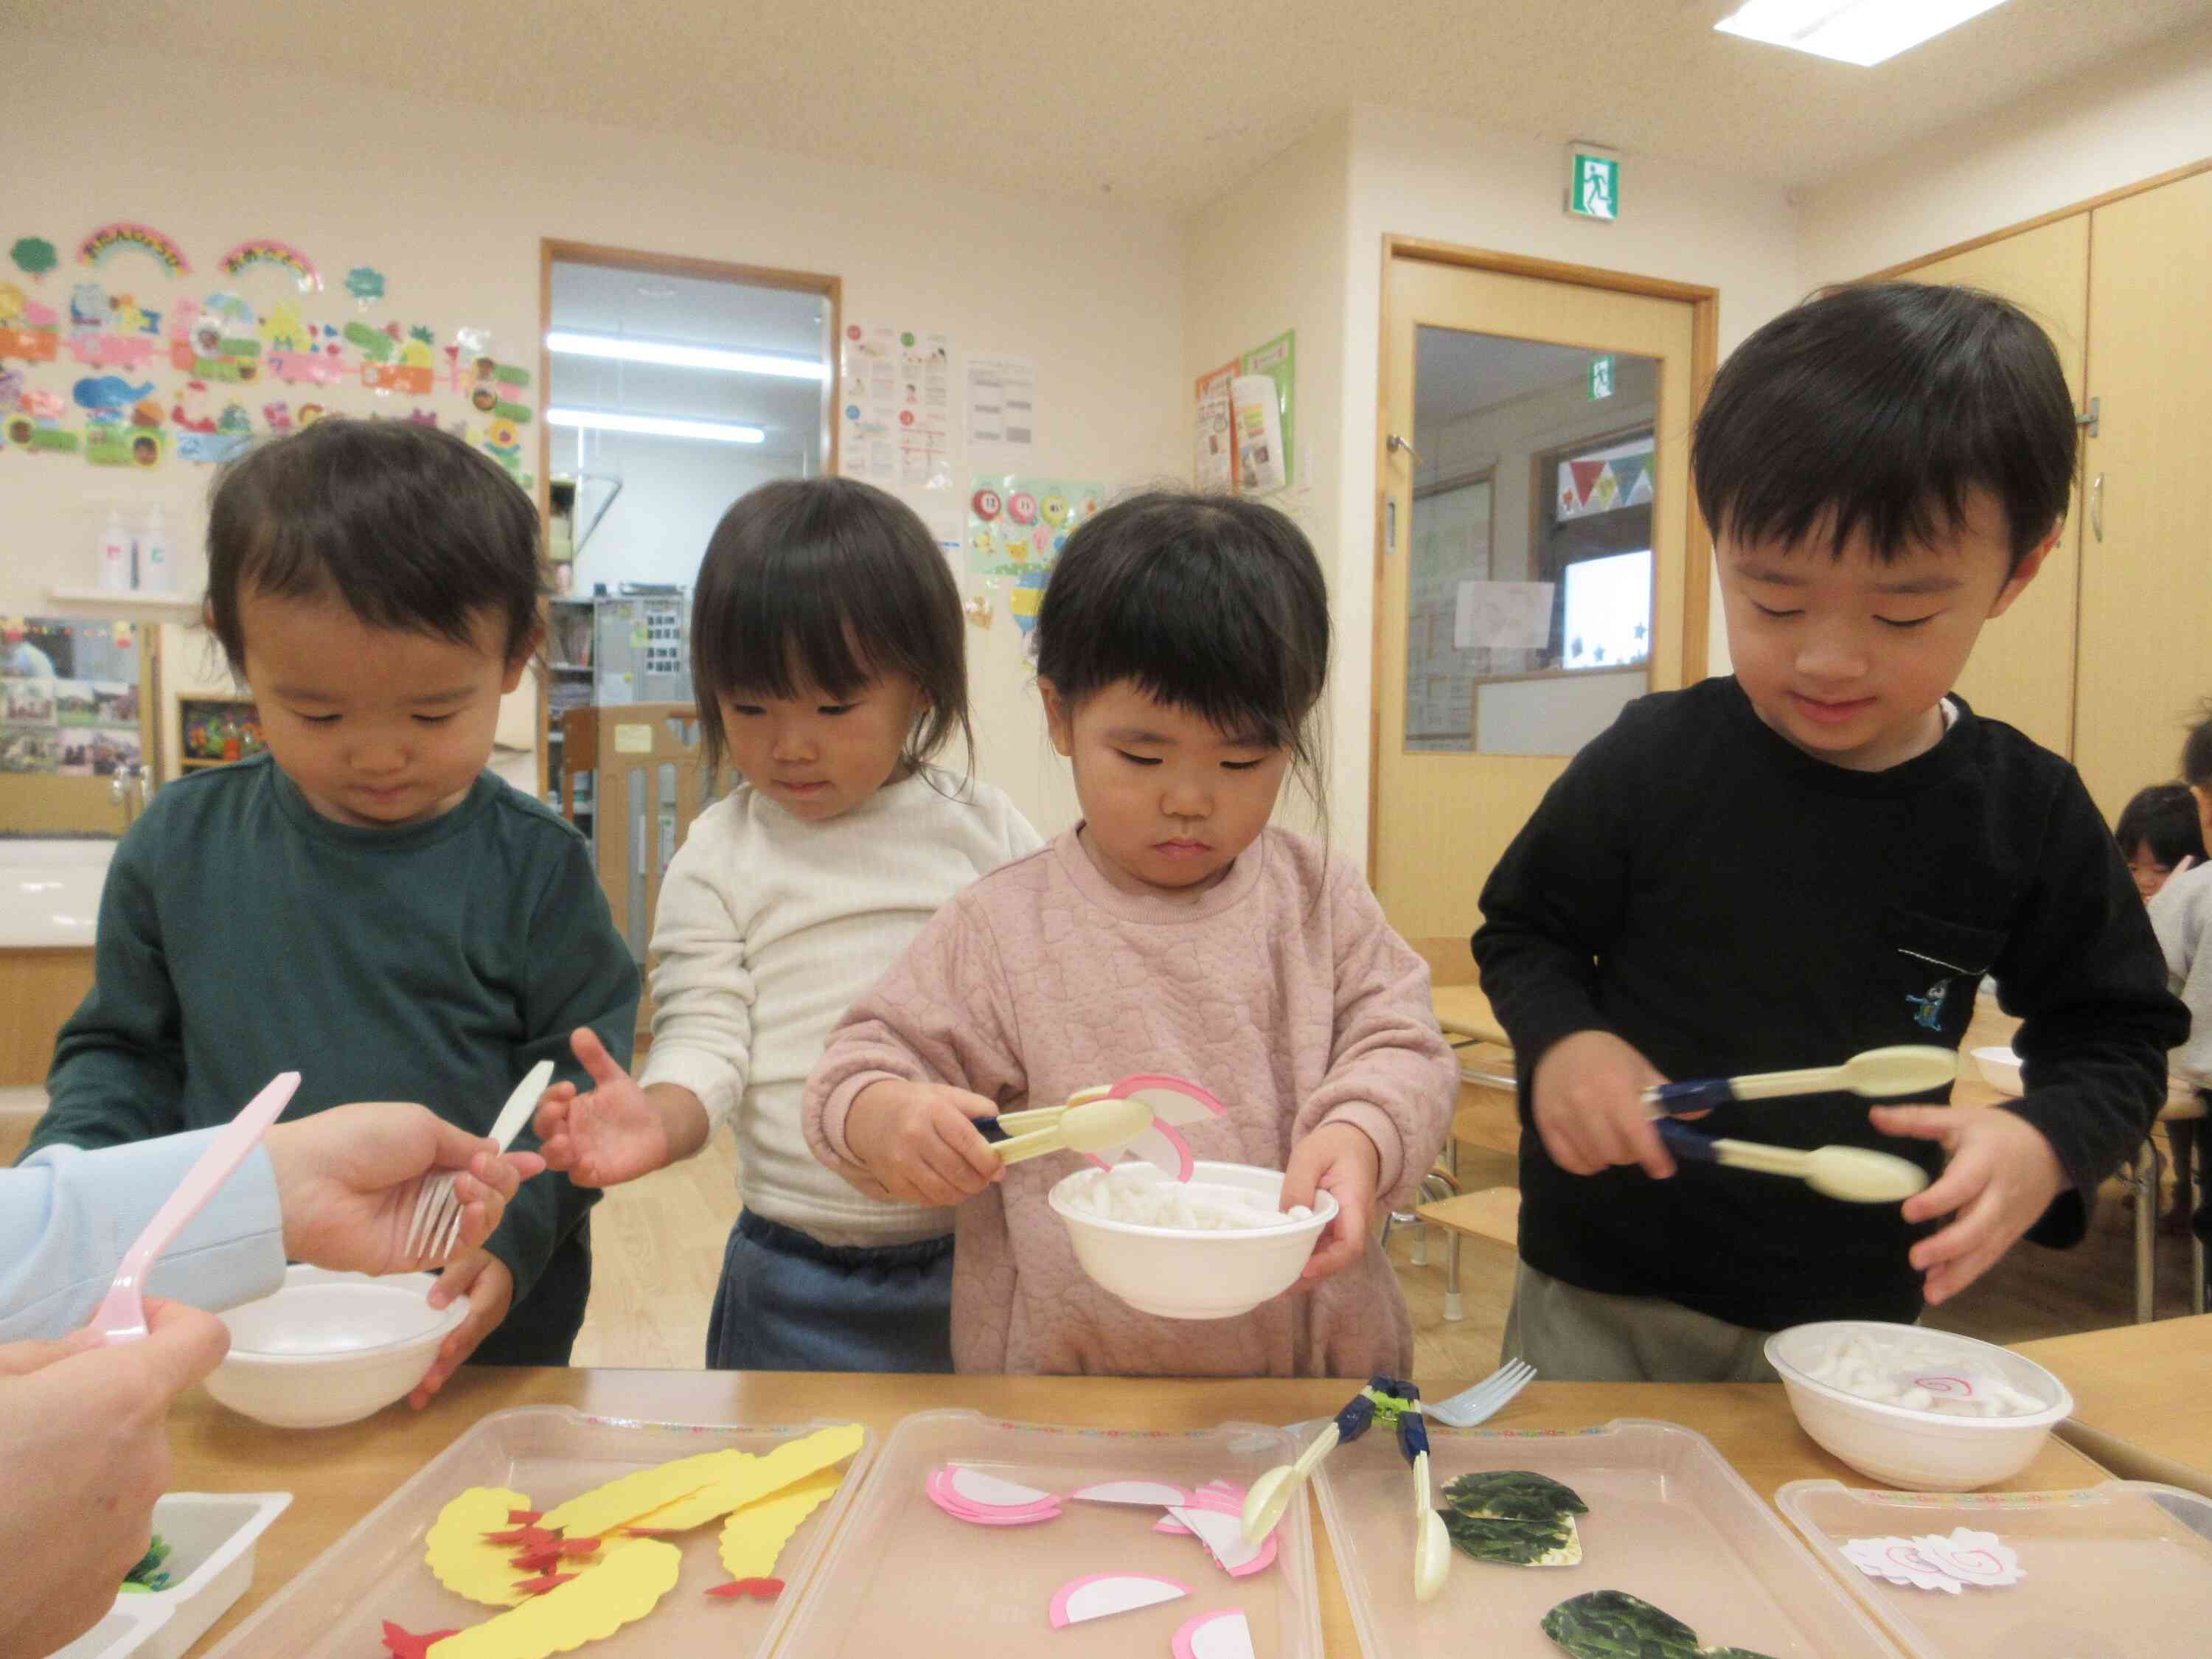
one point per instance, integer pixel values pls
(84, 1444)
(348, 1180)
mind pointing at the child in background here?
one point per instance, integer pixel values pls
(830, 661)
(2159, 835)
(2181, 915)
(363, 902)
(1819, 856)
(1183, 640)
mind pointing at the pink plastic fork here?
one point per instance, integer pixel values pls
(121, 1316)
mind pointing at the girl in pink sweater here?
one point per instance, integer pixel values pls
(1183, 641)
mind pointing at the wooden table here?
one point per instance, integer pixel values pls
(1464, 1011)
(336, 1475)
(2142, 1397)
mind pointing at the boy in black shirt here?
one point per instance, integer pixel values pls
(1822, 855)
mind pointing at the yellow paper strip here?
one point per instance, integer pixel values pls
(459, 1557)
(596, 1603)
(755, 1534)
(598, 1511)
(751, 1479)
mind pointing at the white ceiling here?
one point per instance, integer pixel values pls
(1163, 102)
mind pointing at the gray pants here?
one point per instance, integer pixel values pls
(1573, 1335)
(789, 1303)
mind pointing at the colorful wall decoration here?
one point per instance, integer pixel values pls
(1017, 524)
(139, 361)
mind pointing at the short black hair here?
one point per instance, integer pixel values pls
(1206, 602)
(2163, 819)
(827, 584)
(412, 527)
(2196, 749)
(1881, 406)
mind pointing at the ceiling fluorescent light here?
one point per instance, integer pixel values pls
(655, 426)
(685, 356)
(1861, 31)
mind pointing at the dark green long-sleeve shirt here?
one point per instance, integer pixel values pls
(242, 934)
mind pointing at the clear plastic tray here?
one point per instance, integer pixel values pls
(904, 1578)
(2122, 1570)
(1668, 1521)
(335, 1608)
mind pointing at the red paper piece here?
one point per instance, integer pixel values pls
(544, 1560)
(536, 1538)
(762, 1590)
(539, 1586)
(525, 1517)
(405, 1645)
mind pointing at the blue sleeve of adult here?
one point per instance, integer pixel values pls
(68, 1217)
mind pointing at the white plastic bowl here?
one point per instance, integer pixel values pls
(1917, 1450)
(2000, 1069)
(1184, 1272)
(331, 1347)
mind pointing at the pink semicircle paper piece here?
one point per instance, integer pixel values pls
(1101, 1595)
(939, 1490)
(1222, 1532)
(989, 1492)
(1224, 1634)
(1167, 1523)
(1173, 1099)
(1153, 1494)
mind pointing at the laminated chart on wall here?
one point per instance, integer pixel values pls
(895, 407)
(117, 348)
(1277, 362)
(1213, 461)
(1002, 411)
(1017, 524)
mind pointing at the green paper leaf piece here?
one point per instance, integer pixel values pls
(1513, 1494)
(33, 255)
(1508, 1543)
(1615, 1625)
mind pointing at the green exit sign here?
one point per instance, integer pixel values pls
(1600, 377)
(1593, 183)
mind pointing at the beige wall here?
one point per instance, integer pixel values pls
(451, 203)
(2130, 120)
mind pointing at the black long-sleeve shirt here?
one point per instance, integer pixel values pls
(1727, 903)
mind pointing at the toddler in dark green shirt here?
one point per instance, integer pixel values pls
(364, 902)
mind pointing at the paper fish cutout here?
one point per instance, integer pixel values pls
(1223, 1534)
(1102, 1595)
(595, 1604)
(746, 1479)
(638, 1494)
(1224, 1635)
(754, 1535)
(462, 1558)
(402, 1644)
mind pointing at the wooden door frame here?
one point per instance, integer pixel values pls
(553, 250)
(1705, 305)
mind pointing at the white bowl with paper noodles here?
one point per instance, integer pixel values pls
(1920, 1450)
(1194, 1272)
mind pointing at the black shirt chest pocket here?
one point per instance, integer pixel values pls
(1930, 969)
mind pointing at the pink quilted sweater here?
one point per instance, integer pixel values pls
(1282, 989)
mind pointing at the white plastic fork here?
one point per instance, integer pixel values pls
(1485, 1399)
(437, 1210)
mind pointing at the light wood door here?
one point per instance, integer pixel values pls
(1444, 809)
(2146, 629)
(2022, 671)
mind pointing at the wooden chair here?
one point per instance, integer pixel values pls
(1493, 1213)
(648, 783)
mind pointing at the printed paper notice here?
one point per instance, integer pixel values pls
(1215, 463)
(1002, 412)
(895, 407)
(1506, 616)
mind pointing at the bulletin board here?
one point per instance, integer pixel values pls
(120, 348)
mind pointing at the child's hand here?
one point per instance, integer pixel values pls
(1588, 1101)
(919, 1142)
(2001, 1177)
(615, 1134)
(485, 1279)
(1341, 1161)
